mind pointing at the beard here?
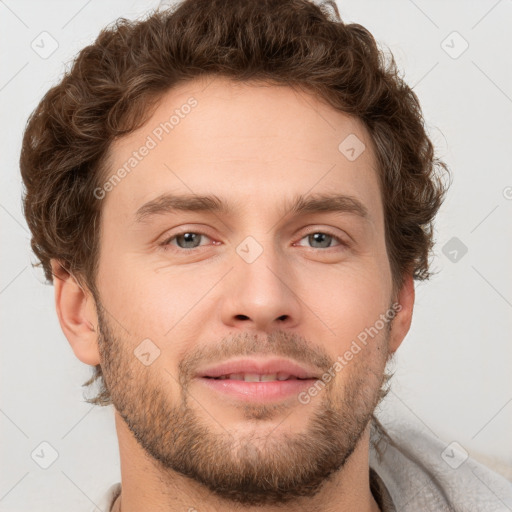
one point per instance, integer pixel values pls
(261, 464)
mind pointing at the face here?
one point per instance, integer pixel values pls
(184, 287)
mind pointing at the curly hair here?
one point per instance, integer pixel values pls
(113, 86)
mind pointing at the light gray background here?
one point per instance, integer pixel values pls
(453, 371)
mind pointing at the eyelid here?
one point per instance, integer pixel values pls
(169, 238)
(325, 231)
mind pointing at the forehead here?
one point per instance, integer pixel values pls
(249, 143)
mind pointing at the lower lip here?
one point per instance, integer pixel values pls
(258, 391)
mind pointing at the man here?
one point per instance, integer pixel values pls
(233, 200)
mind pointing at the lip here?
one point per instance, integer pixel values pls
(260, 366)
(267, 391)
(271, 391)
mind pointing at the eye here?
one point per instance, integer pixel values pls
(192, 240)
(322, 240)
(184, 240)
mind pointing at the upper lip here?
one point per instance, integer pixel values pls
(257, 366)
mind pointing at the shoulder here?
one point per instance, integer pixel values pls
(423, 472)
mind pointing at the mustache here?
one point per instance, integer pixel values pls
(277, 343)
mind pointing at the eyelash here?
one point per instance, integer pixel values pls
(167, 243)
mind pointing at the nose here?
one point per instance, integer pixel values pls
(260, 296)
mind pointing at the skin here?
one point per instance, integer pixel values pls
(183, 446)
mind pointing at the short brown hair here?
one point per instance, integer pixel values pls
(112, 87)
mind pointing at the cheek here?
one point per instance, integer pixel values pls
(152, 301)
(346, 303)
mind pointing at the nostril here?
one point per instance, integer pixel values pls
(242, 317)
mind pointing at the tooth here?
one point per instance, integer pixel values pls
(251, 377)
(255, 377)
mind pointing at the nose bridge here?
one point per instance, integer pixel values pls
(259, 291)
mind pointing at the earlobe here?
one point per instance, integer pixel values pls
(77, 314)
(402, 321)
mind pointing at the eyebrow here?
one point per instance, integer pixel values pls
(170, 203)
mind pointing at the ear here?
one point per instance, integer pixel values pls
(77, 314)
(401, 323)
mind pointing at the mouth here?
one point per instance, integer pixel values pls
(257, 380)
(255, 377)
(258, 369)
